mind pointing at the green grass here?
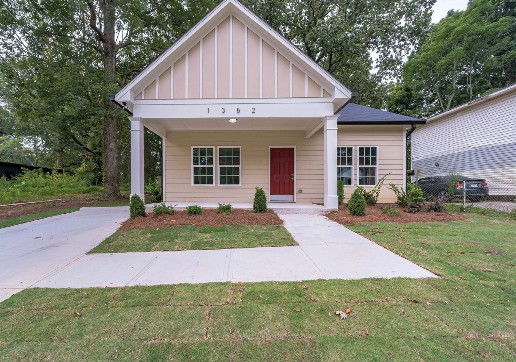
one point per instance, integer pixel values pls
(469, 314)
(195, 238)
(4, 223)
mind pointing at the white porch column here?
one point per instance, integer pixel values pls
(331, 200)
(137, 178)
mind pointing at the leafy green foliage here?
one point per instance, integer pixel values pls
(194, 210)
(340, 191)
(260, 200)
(225, 209)
(372, 196)
(391, 211)
(137, 207)
(401, 195)
(357, 202)
(162, 209)
(467, 54)
(513, 214)
(453, 179)
(154, 191)
(37, 185)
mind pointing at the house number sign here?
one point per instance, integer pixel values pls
(223, 110)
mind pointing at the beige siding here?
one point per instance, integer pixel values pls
(255, 162)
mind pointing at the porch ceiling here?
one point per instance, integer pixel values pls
(242, 124)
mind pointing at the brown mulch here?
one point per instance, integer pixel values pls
(209, 217)
(375, 214)
(8, 212)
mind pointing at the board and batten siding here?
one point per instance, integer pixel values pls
(477, 141)
(255, 146)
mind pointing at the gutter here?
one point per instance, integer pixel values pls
(121, 105)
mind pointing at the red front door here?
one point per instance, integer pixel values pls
(282, 174)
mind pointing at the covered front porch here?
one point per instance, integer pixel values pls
(222, 160)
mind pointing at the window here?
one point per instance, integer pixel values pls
(229, 165)
(345, 165)
(203, 169)
(367, 166)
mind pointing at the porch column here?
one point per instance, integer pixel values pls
(331, 200)
(137, 179)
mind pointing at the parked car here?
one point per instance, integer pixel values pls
(447, 187)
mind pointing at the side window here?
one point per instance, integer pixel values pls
(367, 166)
(345, 165)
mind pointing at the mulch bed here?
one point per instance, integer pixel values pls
(209, 217)
(9, 212)
(375, 214)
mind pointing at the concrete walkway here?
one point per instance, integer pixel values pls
(326, 250)
(33, 251)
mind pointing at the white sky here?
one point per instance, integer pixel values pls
(441, 8)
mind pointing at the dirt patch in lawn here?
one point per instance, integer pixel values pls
(207, 218)
(8, 212)
(377, 214)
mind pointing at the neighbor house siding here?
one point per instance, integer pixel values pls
(255, 146)
(477, 141)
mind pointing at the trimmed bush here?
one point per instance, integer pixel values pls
(357, 202)
(225, 209)
(260, 200)
(137, 207)
(340, 191)
(194, 210)
(162, 209)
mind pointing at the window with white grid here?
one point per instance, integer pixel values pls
(203, 166)
(345, 165)
(229, 166)
(367, 166)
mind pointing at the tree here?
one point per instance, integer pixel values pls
(467, 54)
(343, 36)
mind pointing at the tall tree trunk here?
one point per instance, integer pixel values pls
(111, 177)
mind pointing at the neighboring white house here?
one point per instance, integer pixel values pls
(477, 139)
(238, 106)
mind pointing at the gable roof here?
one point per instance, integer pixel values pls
(355, 114)
(216, 16)
(504, 91)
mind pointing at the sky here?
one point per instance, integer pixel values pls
(441, 8)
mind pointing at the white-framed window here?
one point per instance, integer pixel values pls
(367, 166)
(203, 169)
(345, 165)
(230, 166)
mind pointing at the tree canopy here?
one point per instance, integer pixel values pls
(467, 54)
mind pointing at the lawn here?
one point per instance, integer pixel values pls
(188, 237)
(4, 223)
(468, 314)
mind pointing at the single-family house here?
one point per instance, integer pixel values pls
(476, 140)
(239, 106)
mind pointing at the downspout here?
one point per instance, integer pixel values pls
(409, 132)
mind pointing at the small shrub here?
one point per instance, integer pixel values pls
(415, 195)
(453, 178)
(260, 200)
(194, 210)
(225, 209)
(390, 211)
(357, 202)
(162, 209)
(372, 196)
(340, 191)
(513, 214)
(401, 195)
(137, 207)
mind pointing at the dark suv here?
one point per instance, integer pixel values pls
(442, 187)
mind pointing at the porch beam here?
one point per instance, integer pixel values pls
(157, 129)
(205, 110)
(137, 157)
(330, 163)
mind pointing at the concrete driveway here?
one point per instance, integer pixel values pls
(51, 253)
(33, 251)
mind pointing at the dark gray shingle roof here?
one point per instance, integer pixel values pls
(356, 114)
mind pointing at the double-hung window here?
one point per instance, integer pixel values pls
(203, 165)
(345, 165)
(367, 166)
(229, 166)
